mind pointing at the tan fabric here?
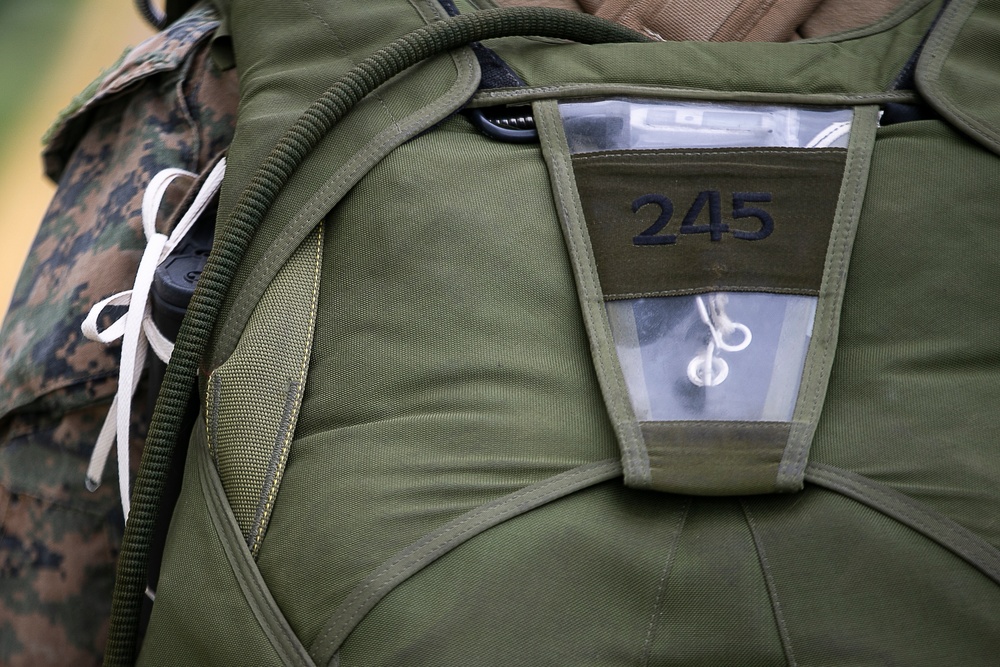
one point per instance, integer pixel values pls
(729, 20)
(670, 19)
(558, 4)
(775, 22)
(834, 16)
(712, 20)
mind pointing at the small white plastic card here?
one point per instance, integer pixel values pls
(624, 124)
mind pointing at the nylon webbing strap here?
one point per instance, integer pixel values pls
(253, 205)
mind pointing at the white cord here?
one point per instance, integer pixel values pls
(136, 327)
(830, 134)
(709, 369)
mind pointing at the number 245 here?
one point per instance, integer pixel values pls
(715, 227)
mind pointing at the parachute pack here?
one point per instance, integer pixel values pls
(528, 340)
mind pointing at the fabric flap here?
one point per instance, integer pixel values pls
(163, 52)
(959, 69)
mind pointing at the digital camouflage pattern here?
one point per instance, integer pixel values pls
(165, 104)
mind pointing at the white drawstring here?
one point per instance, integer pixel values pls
(830, 134)
(709, 369)
(136, 327)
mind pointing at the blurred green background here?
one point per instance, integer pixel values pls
(30, 34)
(49, 51)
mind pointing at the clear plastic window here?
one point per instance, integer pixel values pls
(624, 124)
(719, 356)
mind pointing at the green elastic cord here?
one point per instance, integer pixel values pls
(253, 205)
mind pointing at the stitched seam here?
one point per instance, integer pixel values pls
(452, 534)
(618, 296)
(477, 519)
(343, 49)
(259, 603)
(948, 28)
(628, 14)
(843, 252)
(269, 487)
(901, 14)
(256, 587)
(911, 516)
(667, 567)
(772, 590)
(432, 9)
(185, 107)
(114, 82)
(740, 425)
(529, 92)
(582, 157)
(263, 272)
(591, 297)
(295, 402)
(530, 499)
(750, 23)
(215, 383)
(791, 470)
(920, 518)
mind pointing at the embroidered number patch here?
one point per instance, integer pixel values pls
(715, 227)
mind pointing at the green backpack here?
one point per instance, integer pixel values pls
(592, 352)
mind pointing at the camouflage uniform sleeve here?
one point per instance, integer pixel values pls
(164, 105)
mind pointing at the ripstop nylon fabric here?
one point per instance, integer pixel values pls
(234, 616)
(450, 368)
(232, 242)
(589, 602)
(917, 345)
(441, 332)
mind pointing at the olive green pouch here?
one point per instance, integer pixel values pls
(710, 276)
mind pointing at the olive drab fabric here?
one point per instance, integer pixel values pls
(417, 442)
(166, 104)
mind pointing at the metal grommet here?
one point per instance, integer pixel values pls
(703, 375)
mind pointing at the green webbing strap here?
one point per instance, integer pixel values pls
(253, 205)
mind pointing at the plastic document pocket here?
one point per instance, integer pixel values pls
(717, 235)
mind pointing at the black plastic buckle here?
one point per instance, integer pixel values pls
(514, 125)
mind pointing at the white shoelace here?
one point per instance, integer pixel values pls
(136, 327)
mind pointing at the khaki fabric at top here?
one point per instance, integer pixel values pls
(710, 20)
(729, 20)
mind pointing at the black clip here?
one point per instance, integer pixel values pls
(511, 124)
